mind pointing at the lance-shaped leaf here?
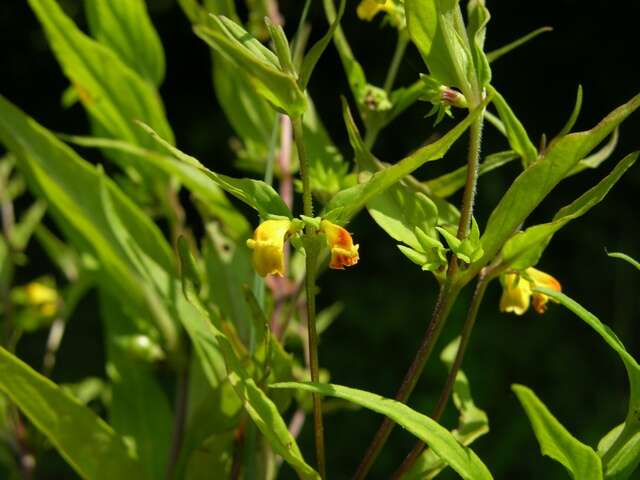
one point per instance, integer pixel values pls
(516, 133)
(209, 342)
(462, 459)
(90, 446)
(260, 64)
(478, 18)
(112, 92)
(580, 460)
(499, 52)
(255, 193)
(437, 29)
(525, 248)
(472, 422)
(537, 181)
(625, 257)
(314, 54)
(347, 203)
(621, 451)
(125, 27)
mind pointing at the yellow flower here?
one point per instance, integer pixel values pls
(517, 291)
(268, 247)
(370, 8)
(43, 297)
(343, 252)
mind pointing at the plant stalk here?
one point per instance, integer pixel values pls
(392, 73)
(446, 298)
(311, 261)
(439, 409)
(448, 294)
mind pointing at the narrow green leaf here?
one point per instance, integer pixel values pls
(499, 52)
(463, 460)
(113, 94)
(555, 441)
(525, 248)
(23, 230)
(516, 133)
(255, 193)
(595, 159)
(574, 114)
(477, 18)
(125, 27)
(624, 257)
(90, 446)
(535, 183)
(277, 87)
(437, 29)
(621, 465)
(314, 54)
(347, 203)
(449, 183)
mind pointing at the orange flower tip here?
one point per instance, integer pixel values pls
(341, 257)
(343, 252)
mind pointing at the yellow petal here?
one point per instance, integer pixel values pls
(367, 9)
(542, 279)
(38, 293)
(516, 294)
(268, 247)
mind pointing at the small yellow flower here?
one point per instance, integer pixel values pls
(43, 297)
(268, 247)
(368, 9)
(517, 291)
(343, 252)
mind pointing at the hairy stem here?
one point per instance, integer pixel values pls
(439, 409)
(311, 261)
(446, 298)
(473, 162)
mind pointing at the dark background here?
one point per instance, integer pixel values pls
(387, 299)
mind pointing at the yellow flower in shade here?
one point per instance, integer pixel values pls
(517, 291)
(268, 247)
(368, 9)
(343, 252)
(43, 297)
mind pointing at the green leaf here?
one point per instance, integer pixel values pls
(516, 133)
(437, 29)
(23, 230)
(624, 454)
(463, 460)
(595, 159)
(525, 248)
(499, 52)
(478, 18)
(624, 257)
(139, 408)
(113, 94)
(208, 341)
(348, 202)
(90, 446)
(626, 461)
(210, 194)
(449, 183)
(472, 422)
(255, 193)
(555, 441)
(314, 54)
(263, 69)
(125, 27)
(574, 114)
(535, 183)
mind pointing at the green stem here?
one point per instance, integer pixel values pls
(439, 409)
(401, 46)
(448, 294)
(473, 162)
(311, 261)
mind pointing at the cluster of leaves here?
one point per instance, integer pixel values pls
(202, 314)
